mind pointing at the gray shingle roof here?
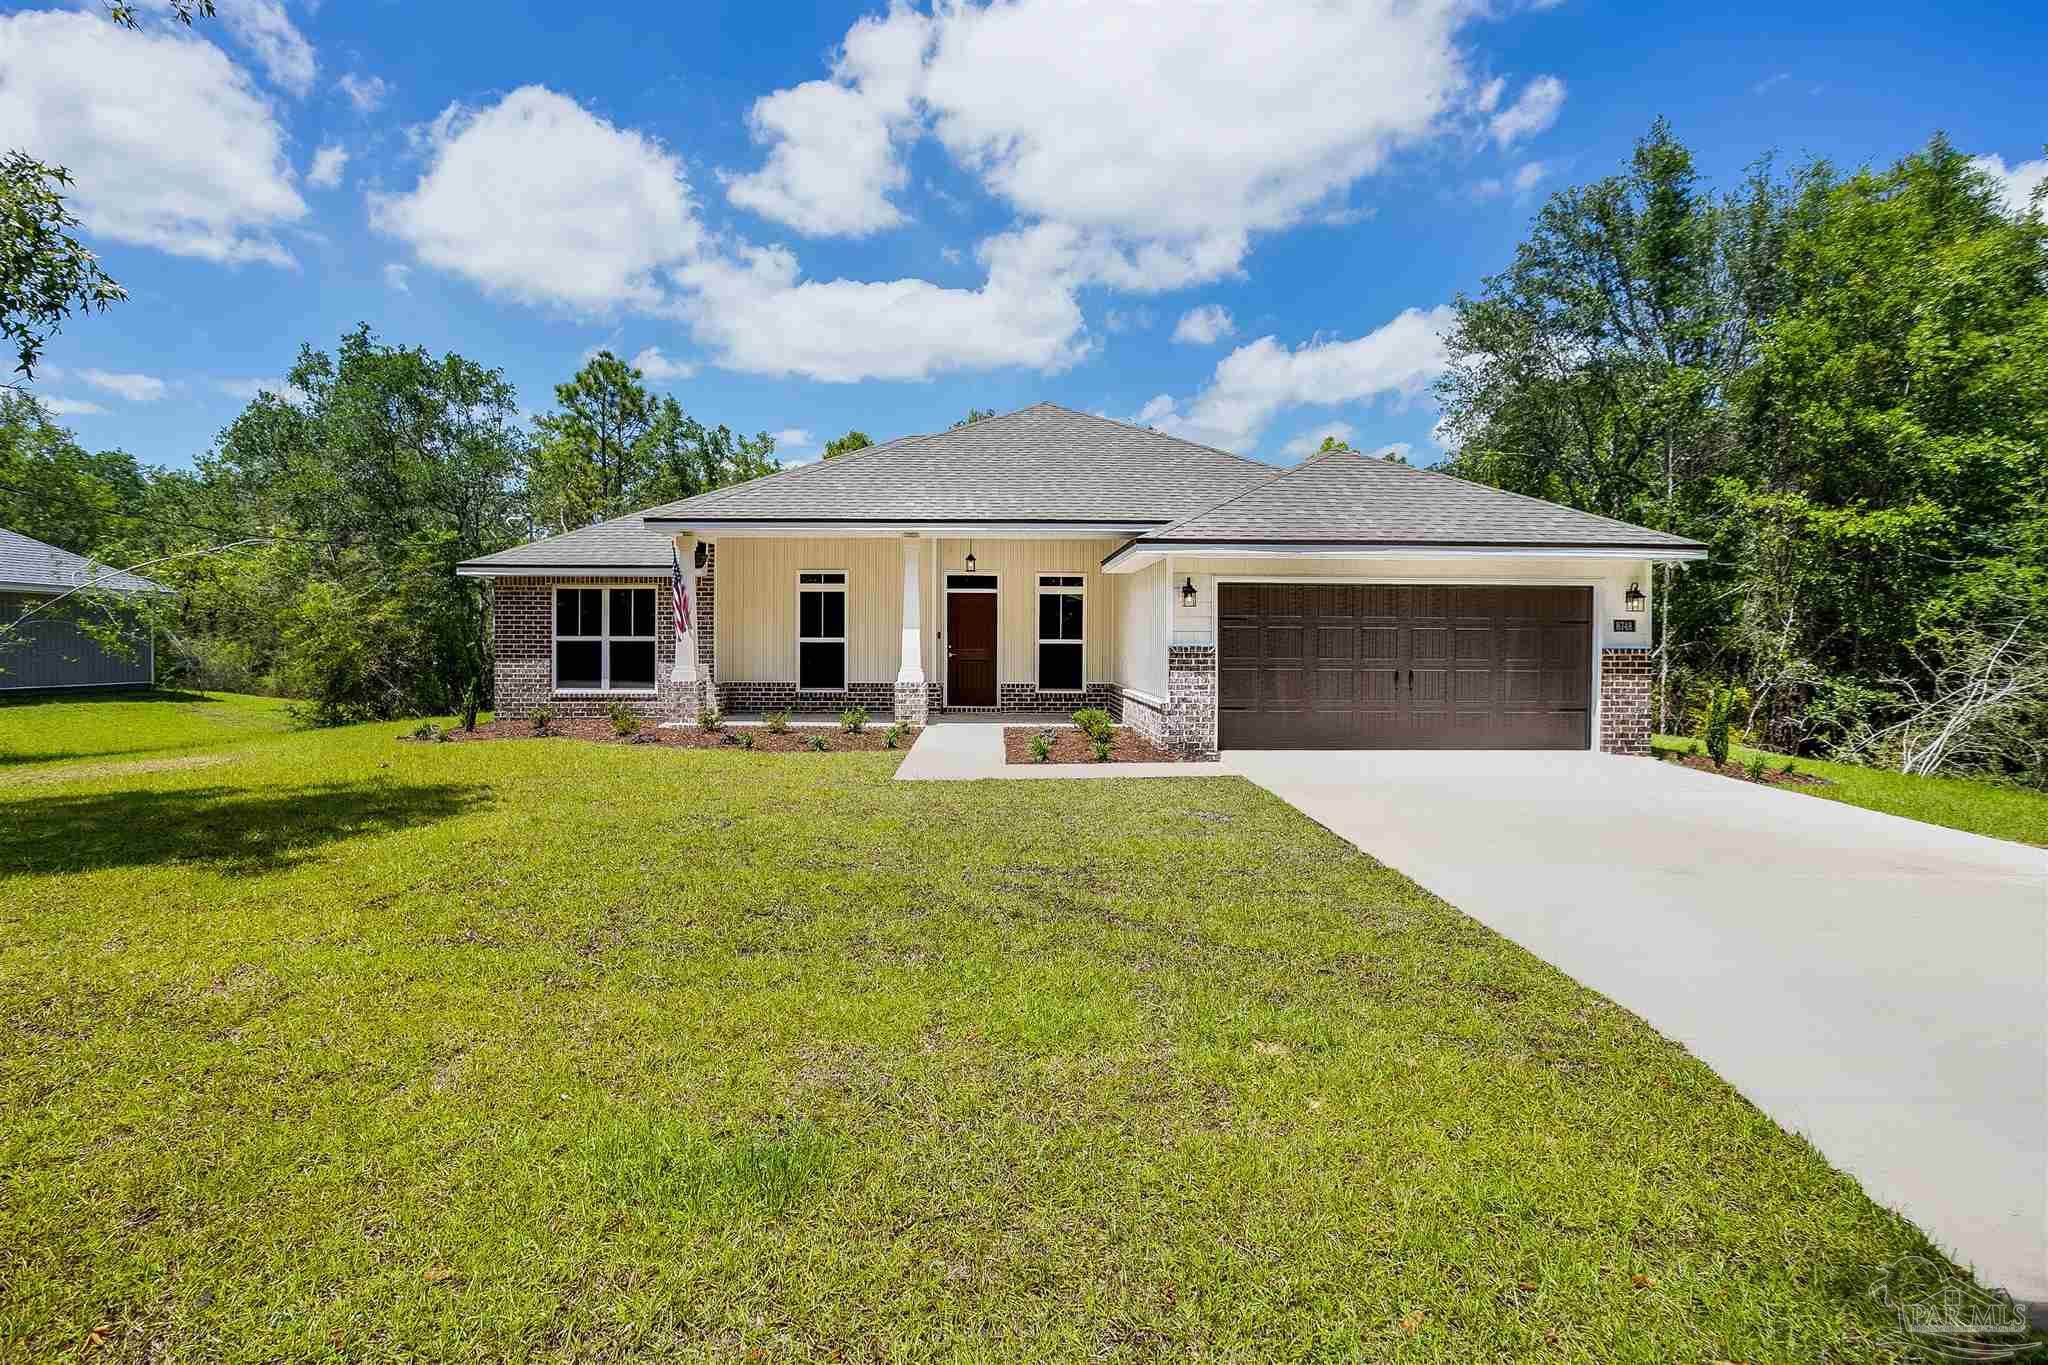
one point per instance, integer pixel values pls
(610, 546)
(1345, 498)
(1041, 463)
(27, 563)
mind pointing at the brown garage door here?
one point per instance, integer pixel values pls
(1356, 666)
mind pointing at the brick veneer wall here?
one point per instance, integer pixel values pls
(1191, 700)
(1625, 701)
(523, 635)
(1025, 696)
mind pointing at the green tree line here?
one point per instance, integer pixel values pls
(313, 547)
(1836, 380)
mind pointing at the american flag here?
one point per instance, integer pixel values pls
(680, 590)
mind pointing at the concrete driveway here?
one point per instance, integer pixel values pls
(1876, 984)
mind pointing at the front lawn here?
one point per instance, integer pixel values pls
(129, 727)
(1990, 808)
(358, 1049)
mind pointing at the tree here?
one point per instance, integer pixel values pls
(974, 415)
(590, 455)
(46, 273)
(847, 444)
(53, 491)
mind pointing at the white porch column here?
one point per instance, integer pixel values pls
(911, 697)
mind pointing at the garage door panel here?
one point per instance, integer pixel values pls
(1425, 666)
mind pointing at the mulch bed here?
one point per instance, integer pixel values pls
(796, 741)
(1070, 745)
(1771, 776)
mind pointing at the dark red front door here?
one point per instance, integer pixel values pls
(970, 649)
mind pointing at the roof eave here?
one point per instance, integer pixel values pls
(484, 569)
(1135, 553)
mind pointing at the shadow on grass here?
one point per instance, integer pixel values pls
(228, 828)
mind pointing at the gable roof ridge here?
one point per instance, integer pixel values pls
(1149, 431)
(1286, 472)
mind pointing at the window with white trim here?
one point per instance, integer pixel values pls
(821, 630)
(1062, 631)
(604, 639)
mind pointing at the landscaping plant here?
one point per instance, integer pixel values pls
(776, 722)
(854, 719)
(744, 739)
(1102, 747)
(1754, 768)
(711, 720)
(817, 743)
(625, 720)
(542, 718)
(472, 702)
(1094, 722)
(1041, 747)
(893, 736)
(1714, 726)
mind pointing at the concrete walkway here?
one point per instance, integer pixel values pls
(1876, 984)
(960, 750)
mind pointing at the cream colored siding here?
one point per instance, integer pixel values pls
(1017, 564)
(756, 605)
(1141, 630)
(1610, 579)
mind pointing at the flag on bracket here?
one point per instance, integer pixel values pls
(679, 589)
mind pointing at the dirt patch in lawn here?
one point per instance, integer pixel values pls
(1070, 745)
(1770, 777)
(796, 740)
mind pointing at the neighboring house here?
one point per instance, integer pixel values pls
(1049, 559)
(49, 649)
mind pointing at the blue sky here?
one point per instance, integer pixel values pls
(1238, 222)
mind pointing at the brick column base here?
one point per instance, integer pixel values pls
(913, 703)
(1189, 722)
(1625, 701)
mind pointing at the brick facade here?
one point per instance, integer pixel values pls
(1187, 721)
(1625, 701)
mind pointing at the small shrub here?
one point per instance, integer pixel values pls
(744, 739)
(542, 718)
(1755, 767)
(1714, 727)
(1041, 747)
(817, 744)
(711, 720)
(776, 722)
(1094, 722)
(426, 729)
(472, 702)
(1101, 750)
(853, 719)
(893, 736)
(1786, 767)
(1693, 748)
(625, 720)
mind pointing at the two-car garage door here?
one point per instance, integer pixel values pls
(1403, 666)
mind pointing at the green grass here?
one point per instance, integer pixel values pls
(354, 1049)
(131, 726)
(1990, 808)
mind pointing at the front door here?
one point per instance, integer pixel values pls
(970, 649)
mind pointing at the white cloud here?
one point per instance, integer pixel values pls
(1118, 320)
(1256, 382)
(1488, 98)
(366, 93)
(1310, 441)
(248, 390)
(1127, 130)
(1525, 179)
(538, 199)
(792, 438)
(1535, 109)
(136, 388)
(398, 277)
(1204, 326)
(328, 164)
(832, 162)
(72, 407)
(170, 144)
(753, 309)
(659, 368)
(2015, 186)
(266, 30)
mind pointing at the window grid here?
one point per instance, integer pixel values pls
(618, 613)
(820, 650)
(1062, 632)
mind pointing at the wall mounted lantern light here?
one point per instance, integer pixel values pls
(699, 556)
(1633, 599)
(970, 558)
(1187, 592)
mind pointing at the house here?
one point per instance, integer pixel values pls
(42, 640)
(1049, 559)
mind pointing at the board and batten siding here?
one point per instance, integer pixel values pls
(1142, 613)
(757, 589)
(1017, 565)
(51, 651)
